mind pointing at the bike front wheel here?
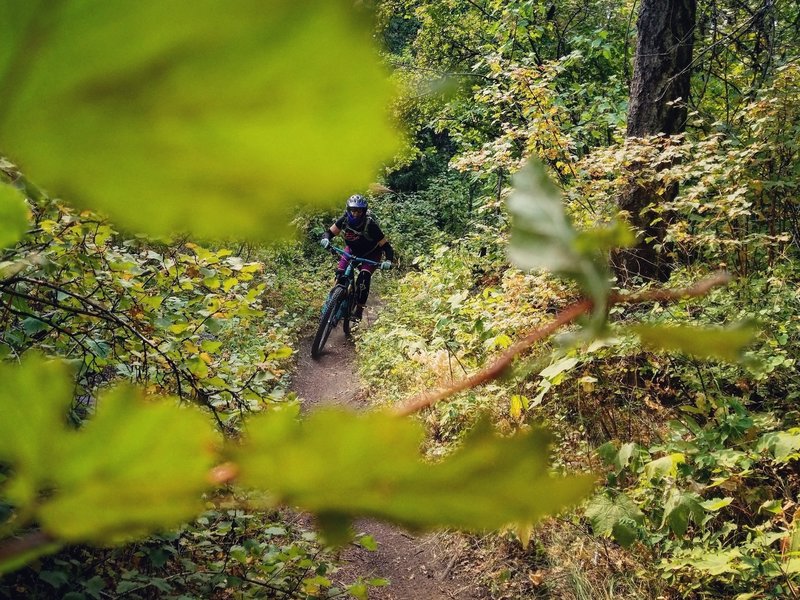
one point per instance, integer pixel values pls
(327, 321)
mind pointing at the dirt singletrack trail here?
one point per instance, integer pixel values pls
(419, 567)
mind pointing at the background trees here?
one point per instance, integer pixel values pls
(658, 105)
(684, 438)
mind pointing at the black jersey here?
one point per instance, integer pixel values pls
(362, 240)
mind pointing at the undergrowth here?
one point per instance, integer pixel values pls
(231, 550)
(695, 459)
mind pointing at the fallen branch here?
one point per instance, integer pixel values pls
(496, 369)
(28, 543)
(701, 288)
(568, 315)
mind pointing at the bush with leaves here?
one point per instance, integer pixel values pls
(223, 551)
(714, 501)
(167, 316)
(616, 385)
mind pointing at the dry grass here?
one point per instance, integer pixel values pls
(562, 561)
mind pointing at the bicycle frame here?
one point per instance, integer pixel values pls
(340, 302)
(347, 280)
(352, 261)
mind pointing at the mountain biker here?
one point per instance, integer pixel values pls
(364, 239)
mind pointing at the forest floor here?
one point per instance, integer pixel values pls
(427, 567)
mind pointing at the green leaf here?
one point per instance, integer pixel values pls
(210, 346)
(723, 344)
(560, 366)
(157, 556)
(281, 353)
(502, 341)
(616, 516)
(204, 116)
(32, 417)
(197, 367)
(32, 326)
(542, 237)
(773, 507)
(95, 586)
(616, 235)
(624, 456)
(123, 587)
(275, 531)
(160, 584)
(517, 405)
(13, 216)
(717, 563)
(715, 504)
(137, 466)
(178, 328)
(336, 527)
(607, 452)
(152, 302)
(680, 508)
(341, 465)
(55, 578)
(358, 590)
(794, 538)
(782, 445)
(792, 566)
(666, 466)
(367, 542)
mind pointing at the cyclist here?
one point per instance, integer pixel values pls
(364, 239)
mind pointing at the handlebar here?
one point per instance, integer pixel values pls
(336, 250)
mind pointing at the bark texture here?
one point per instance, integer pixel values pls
(659, 91)
(661, 69)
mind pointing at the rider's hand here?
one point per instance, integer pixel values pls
(386, 265)
(325, 242)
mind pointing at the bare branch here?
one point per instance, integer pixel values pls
(572, 312)
(25, 544)
(497, 368)
(701, 288)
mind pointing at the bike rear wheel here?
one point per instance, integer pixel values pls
(327, 321)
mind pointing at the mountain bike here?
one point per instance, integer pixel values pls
(341, 301)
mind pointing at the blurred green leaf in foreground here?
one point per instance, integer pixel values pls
(137, 466)
(543, 237)
(213, 117)
(717, 343)
(341, 465)
(13, 216)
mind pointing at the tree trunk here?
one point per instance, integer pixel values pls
(659, 92)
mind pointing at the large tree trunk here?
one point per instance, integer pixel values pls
(659, 91)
